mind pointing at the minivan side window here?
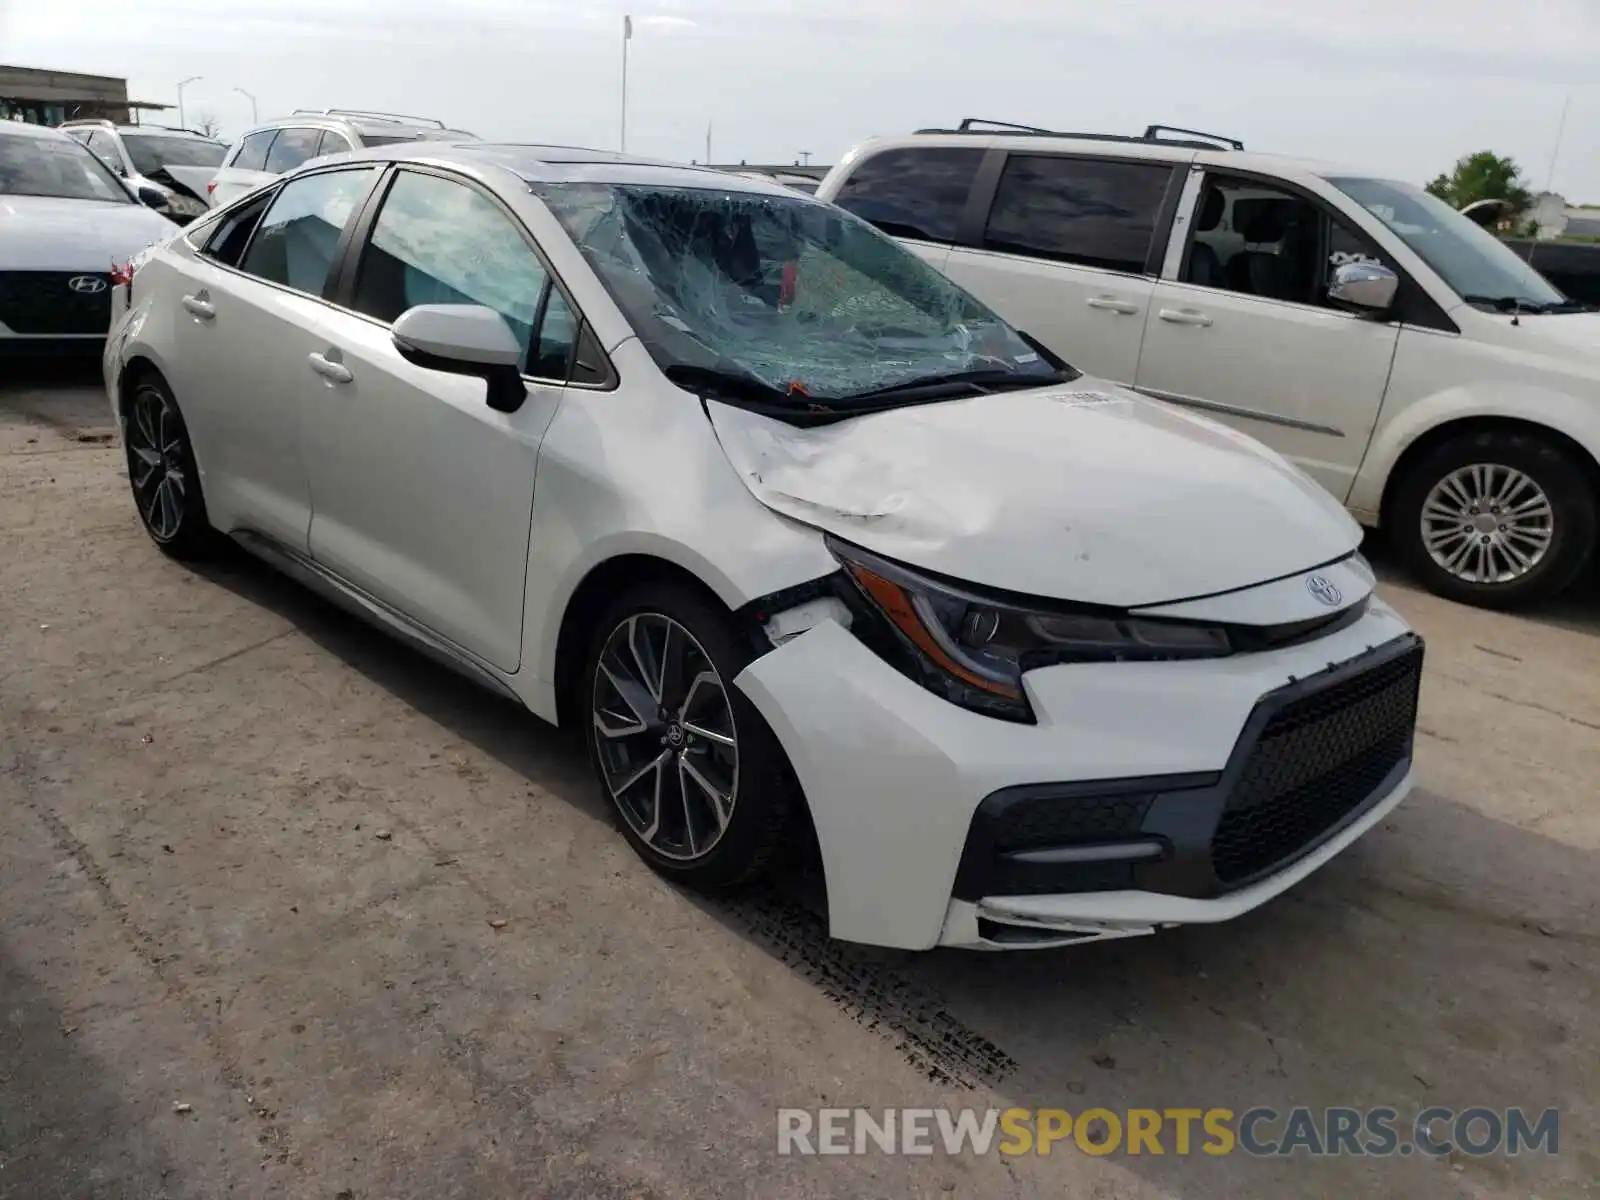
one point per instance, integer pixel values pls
(914, 192)
(1094, 212)
(252, 154)
(293, 147)
(298, 238)
(437, 241)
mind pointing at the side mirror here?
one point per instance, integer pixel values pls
(1363, 287)
(465, 339)
(151, 197)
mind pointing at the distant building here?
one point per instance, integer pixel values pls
(51, 97)
(1558, 219)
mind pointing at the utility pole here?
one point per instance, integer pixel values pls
(255, 116)
(627, 36)
(708, 143)
(183, 83)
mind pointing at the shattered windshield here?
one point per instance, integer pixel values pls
(782, 291)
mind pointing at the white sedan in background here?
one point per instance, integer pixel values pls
(64, 221)
(807, 541)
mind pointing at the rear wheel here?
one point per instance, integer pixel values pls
(162, 472)
(698, 783)
(1499, 518)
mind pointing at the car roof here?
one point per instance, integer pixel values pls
(1142, 149)
(363, 126)
(24, 129)
(535, 164)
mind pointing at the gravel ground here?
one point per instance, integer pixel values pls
(288, 911)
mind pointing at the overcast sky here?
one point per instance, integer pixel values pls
(1402, 87)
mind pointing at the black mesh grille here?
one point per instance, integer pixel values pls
(1061, 820)
(43, 302)
(1317, 760)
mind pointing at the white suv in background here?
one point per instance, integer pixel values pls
(278, 147)
(1405, 358)
(167, 168)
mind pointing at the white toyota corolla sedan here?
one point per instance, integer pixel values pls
(804, 539)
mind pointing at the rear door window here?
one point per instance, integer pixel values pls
(1095, 212)
(252, 154)
(913, 193)
(334, 143)
(298, 238)
(293, 147)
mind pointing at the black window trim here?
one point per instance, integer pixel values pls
(1413, 308)
(986, 187)
(341, 292)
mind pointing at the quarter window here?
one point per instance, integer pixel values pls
(1088, 211)
(913, 193)
(293, 147)
(437, 241)
(333, 143)
(252, 154)
(298, 239)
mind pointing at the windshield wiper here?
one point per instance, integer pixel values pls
(738, 387)
(1519, 305)
(956, 383)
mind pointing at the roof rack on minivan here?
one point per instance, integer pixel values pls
(1193, 139)
(368, 114)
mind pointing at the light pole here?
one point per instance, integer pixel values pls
(627, 36)
(255, 117)
(183, 83)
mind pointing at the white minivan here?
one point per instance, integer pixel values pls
(1402, 356)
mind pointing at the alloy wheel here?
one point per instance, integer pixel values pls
(665, 736)
(156, 457)
(1487, 523)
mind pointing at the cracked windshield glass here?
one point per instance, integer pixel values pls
(784, 294)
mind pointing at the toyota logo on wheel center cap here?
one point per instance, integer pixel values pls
(86, 285)
(1323, 589)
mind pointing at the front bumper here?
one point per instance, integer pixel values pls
(1212, 763)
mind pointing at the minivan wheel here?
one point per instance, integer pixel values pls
(695, 778)
(1498, 519)
(163, 474)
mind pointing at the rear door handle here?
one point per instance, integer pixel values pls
(1184, 316)
(1112, 304)
(334, 372)
(199, 307)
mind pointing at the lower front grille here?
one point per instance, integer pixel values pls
(55, 302)
(1318, 759)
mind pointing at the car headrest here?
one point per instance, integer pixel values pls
(1211, 210)
(1263, 220)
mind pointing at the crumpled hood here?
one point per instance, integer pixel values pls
(1082, 492)
(192, 180)
(51, 233)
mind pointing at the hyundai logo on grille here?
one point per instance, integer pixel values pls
(1323, 589)
(86, 285)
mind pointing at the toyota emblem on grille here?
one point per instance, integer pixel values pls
(86, 285)
(1322, 588)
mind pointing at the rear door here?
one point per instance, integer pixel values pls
(918, 196)
(1069, 252)
(423, 494)
(244, 169)
(247, 314)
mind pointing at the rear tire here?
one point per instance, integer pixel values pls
(696, 780)
(163, 474)
(1498, 519)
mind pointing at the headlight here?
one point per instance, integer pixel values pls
(973, 649)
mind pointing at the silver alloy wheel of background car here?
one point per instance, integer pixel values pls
(154, 441)
(1487, 523)
(665, 736)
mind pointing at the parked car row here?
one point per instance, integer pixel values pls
(812, 546)
(1400, 355)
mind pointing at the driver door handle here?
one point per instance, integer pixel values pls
(1112, 304)
(332, 371)
(1184, 316)
(199, 307)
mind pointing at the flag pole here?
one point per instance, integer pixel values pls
(627, 36)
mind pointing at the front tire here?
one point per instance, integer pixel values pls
(1497, 519)
(163, 474)
(696, 780)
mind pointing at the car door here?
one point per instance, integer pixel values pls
(248, 313)
(1069, 253)
(422, 495)
(1245, 332)
(244, 169)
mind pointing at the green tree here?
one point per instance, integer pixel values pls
(1484, 176)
